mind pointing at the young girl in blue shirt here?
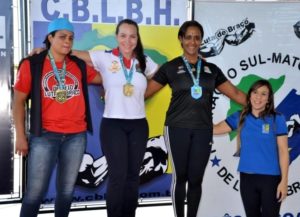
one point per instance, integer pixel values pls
(263, 148)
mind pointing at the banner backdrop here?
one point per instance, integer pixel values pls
(95, 23)
(249, 41)
(6, 142)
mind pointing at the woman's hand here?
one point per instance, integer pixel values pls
(21, 146)
(281, 191)
(36, 50)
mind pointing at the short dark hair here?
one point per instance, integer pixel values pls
(190, 23)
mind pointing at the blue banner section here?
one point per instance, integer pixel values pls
(94, 24)
(6, 147)
(133, 10)
(156, 12)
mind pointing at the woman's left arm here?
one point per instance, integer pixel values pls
(231, 91)
(97, 79)
(282, 142)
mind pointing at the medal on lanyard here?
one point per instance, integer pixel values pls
(61, 92)
(196, 89)
(128, 88)
(61, 95)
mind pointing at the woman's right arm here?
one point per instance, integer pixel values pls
(221, 128)
(152, 88)
(84, 55)
(19, 121)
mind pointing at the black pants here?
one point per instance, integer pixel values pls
(189, 150)
(124, 145)
(258, 194)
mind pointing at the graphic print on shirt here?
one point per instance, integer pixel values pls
(50, 85)
(181, 69)
(265, 128)
(115, 66)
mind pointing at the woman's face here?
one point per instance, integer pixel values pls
(127, 38)
(61, 42)
(191, 41)
(259, 99)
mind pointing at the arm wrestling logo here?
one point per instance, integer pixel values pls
(93, 172)
(233, 35)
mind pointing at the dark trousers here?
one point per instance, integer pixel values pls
(258, 194)
(189, 150)
(124, 145)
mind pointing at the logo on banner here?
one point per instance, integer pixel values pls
(162, 12)
(232, 35)
(93, 172)
(290, 108)
(297, 29)
(2, 33)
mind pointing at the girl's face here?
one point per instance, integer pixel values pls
(127, 38)
(259, 99)
(191, 41)
(61, 42)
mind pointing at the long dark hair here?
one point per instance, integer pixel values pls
(139, 49)
(269, 109)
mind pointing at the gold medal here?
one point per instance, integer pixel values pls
(61, 95)
(128, 89)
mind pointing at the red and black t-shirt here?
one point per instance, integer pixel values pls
(67, 117)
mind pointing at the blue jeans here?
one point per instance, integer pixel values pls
(65, 150)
